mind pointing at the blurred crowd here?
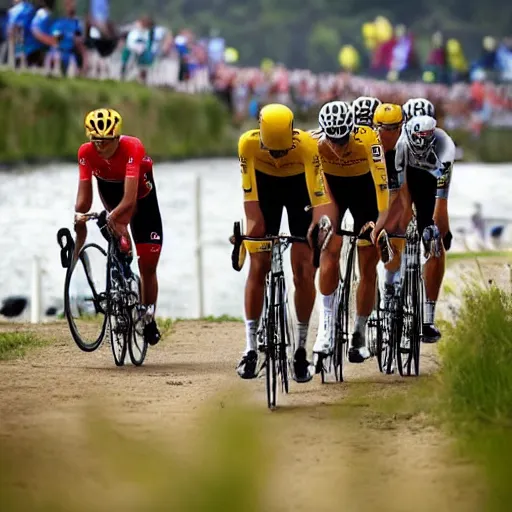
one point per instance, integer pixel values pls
(52, 38)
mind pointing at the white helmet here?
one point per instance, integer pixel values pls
(336, 119)
(418, 107)
(420, 133)
(364, 108)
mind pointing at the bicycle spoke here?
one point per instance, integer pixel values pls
(85, 299)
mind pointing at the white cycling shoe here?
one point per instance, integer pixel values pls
(323, 343)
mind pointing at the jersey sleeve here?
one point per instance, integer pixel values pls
(135, 153)
(377, 163)
(39, 21)
(246, 158)
(315, 179)
(84, 167)
(446, 156)
(397, 178)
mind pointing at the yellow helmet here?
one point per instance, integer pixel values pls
(276, 127)
(103, 123)
(388, 114)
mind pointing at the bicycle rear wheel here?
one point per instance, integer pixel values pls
(269, 335)
(343, 314)
(137, 346)
(409, 338)
(85, 299)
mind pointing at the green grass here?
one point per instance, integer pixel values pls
(172, 125)
(222, 318)
(15, 344)
(451, 257)
(477, 386)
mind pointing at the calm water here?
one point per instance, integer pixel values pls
(35, 203)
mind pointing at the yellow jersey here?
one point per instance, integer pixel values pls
(303, 158)
(363, 153)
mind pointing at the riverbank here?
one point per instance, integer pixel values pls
(43, 117)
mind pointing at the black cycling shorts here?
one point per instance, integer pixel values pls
(146, 223)
(276, 193)
(423, 189)
(358, 195)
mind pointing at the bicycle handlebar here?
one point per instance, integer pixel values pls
(90, 216)
(273, 238)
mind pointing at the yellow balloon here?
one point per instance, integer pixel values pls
(369, 30)
(231, 55)
(348, 58)
(383, 29)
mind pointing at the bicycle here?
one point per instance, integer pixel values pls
(273, 332)
(116, 301)
(405, 308)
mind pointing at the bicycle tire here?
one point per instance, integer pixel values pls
(98, 299)
(136, 339)
(343, 315)
(118, 311)
(270, 347)
(417, 322)
(282, 338)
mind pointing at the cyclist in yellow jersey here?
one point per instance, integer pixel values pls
(388, 120)
(355, 171)
(280, 168)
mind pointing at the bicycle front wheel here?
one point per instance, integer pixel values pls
(85, 299)
(270, 346)
(137, 346)
(282, 335)
(119, 318)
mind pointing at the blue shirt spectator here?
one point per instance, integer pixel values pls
(41, 25)
(19, 20)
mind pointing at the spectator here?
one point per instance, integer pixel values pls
(456, 61)
(216, 48)
(504, 59)
(70, 33)
(183, 43)
(19, 19)
(478, 223)
(40, 40)
(487, 60)
(436, 62)
(403, 60)
(145, 42)
(99, 17)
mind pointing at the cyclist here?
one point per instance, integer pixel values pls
(124, 175)
(280, 168)
(418, 107)
(364, 109)
(388, 120)
(355, 170)
(424, 162)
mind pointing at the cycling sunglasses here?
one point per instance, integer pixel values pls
(389, 127)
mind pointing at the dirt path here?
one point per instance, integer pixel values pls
(331, 446)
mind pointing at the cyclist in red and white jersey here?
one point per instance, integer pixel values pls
(124, 175)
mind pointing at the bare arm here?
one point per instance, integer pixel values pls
(83, 205)
(121, 215)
